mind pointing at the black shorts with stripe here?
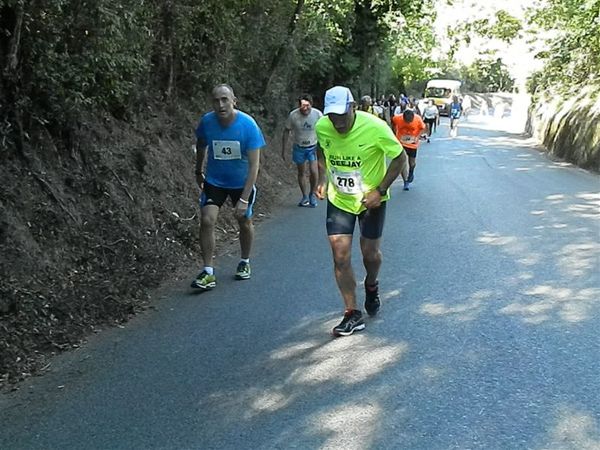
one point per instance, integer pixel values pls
(214, 195)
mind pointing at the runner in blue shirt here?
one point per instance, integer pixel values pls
(455, 113)
(228, 143)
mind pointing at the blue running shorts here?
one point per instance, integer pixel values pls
(303, 154)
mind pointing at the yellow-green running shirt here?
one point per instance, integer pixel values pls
(356, 161)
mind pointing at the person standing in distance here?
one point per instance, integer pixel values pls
(228, 143)
(408, 128)
(378, 110)
(430, 117)
(366, 105)
(455, 113)
(301, 123)
(355, 178)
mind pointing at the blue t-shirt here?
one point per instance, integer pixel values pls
(455, 110)
(227, 156)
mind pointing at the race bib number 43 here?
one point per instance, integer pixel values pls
(347, 182)
(227, 150)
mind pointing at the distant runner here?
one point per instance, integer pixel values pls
(408, 128)
(366, 105)
(430, 117)
(455, 113)
(301, 123)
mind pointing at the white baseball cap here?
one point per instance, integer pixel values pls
(337, 100)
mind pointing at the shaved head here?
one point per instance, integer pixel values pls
(223, 87)
(224, 102)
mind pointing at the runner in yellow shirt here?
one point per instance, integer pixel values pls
(355, 178)
(366, 105)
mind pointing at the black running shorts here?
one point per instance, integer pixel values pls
(213, 195)
(370, 221)
(411, 152)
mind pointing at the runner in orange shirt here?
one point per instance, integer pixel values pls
(408, 128)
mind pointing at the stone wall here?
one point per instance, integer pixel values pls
(569, 128)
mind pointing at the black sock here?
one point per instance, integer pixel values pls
(372, 287)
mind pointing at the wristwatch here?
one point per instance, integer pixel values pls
(381, 191)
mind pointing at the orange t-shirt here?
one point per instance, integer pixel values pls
(408, 133)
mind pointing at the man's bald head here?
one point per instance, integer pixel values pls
(224, 103)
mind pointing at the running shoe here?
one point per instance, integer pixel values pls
(372, 302)
(352, 322)
(406, 188)
(304, 202)
(204, 281)
(243, 271)
(313, 201)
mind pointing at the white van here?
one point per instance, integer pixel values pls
(441, 92)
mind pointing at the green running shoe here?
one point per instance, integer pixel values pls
(204, 281)
(243, 271)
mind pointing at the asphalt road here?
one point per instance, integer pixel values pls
(488, 338)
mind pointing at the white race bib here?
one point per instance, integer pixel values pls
(408, 139)
(225, 150)
(347, 182)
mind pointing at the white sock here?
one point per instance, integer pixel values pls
(209, 270)
(247, 260)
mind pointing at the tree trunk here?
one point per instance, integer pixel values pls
(170, 45)
(10, 73)
(279, 54)
(12, 59)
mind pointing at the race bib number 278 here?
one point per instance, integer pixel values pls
(347, 182)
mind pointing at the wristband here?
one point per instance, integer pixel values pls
(243, 201)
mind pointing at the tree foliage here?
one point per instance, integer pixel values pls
(502, 26)
(412, 42)
(572, 56)
(70, 57)
(487, 75)
(63, 58)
